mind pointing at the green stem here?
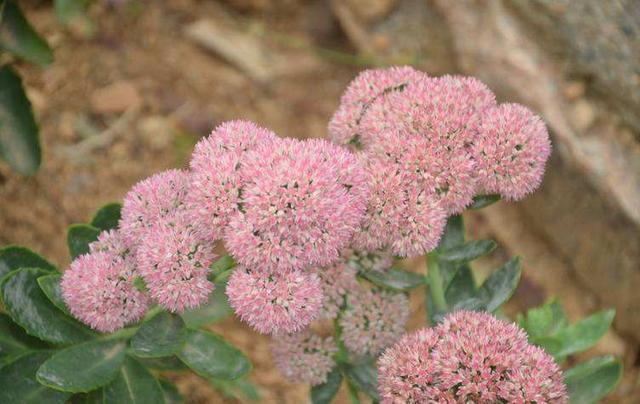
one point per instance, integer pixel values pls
(436, 286)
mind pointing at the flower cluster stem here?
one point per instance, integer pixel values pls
(436, 286)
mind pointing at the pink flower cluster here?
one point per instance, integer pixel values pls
(469, 357)
(431, 144)
(304, 357)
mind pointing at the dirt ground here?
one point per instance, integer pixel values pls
(135, 97)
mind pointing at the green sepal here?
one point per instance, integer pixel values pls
(30, 308)
(590, 381)
(211, 356)
(107, 217)
(163, 335)
(18, 382)
(324, 393)
(133, 383)
(482, 201)
(394, 278)
(18, 37)
(79, 236)
(13, 257)
(83, 367)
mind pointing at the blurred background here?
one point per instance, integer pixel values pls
(134, 84)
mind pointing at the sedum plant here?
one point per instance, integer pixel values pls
(313, 230)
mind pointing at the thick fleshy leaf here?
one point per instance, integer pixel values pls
(19, 139)
(162, 335)
(216, 309)
(240, 389)
(14, 340)
(467, 252)
(453, 234)
(544, 320)
(462, 287)
(17, 36)
(31, 309)
(482, 201)
(84, 367)
(590, 381)
(14, 257)
(133, 384)
(18, 382)
(394, 278)
(107, 217)
(500, 285)
(325, 392)
(170, 392)
(211, 356)
(93, 397)
(171, 363)
(79, 236)
(364, 376)
(50, 285)
(577, 337)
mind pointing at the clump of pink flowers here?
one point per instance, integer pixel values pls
(305, 219)
(469, 357)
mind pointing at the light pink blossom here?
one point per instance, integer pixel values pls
(373, 319)
(362, 92)
(151, 200)
(338, 281)
(304, 357)
(377, 260)
(174, 259)
(469, 357)
(216, 187)
(98, 290)
(275, 303)
(301, 204)
(511, 151)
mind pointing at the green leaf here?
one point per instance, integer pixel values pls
(577, 337)
(544, 320)
(325, 392)
(163, 335)
(222, 264)
(467, 252)
(393, 278)
(364, 376)
(79, 236)
(170, 363)
(500, 285)
(31, 309)
(18, 382)
(17, 36)
(216, 309)
(482, 201)
(462, 287)
(107, 217)
(453, 234)
(19, 140)
(133, 384)
(14, 257)
(84, 367)
(211, 356)
(170, 392)
(592, 380)
(14, 340)
(50, 285)
(237, 389)
(92, 397)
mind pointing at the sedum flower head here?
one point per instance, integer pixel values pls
(151, 200)
(174, 259)
(301, 204)
(367, 88)
(304, 357)
(98, 290)
(216, 187)
(400, 215)
(275, 303)
(373, 319)
(377, 260)
(511, 151)
(337, 282)
(469, 357)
